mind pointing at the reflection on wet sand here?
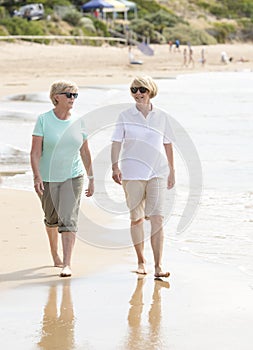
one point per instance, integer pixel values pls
(140, 336)
(58, 328)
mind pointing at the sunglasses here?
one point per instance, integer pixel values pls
(142, 89)
(69, 94)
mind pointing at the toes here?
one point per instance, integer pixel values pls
(162, 274)
(141, 271)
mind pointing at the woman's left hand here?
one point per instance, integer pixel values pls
(90, 190)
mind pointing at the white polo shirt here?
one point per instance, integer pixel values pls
(143, 155)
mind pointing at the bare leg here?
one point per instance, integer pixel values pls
(157, 238)
(52, 233)
(68, 241)
(137, 234)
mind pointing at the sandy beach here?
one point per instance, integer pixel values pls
(30, 67)
(105, 305)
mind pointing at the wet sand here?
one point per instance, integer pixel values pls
(107, 306)
(116, 310)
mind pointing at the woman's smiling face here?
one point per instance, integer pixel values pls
(140, 94)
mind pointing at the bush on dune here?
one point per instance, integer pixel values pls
(20, 26)
(186, 34)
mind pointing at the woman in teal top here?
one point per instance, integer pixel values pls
(59, 155)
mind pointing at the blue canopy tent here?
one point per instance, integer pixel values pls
(131, 5)
(117, 7)
(96, 4)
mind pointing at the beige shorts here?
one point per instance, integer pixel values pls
(145, 198)
(61, 202)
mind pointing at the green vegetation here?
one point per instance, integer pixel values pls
(73, 17)
(147, 7)
(223, 32)
(19, 26)
(233, 9)
(186, 34)
(227, 8)
(162, 19)
(200, 22)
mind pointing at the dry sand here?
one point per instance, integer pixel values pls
(206, 306)
(29, 67)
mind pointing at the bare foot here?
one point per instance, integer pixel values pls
(141, 269)
(162, 274)
(66, 272)
(58, 265)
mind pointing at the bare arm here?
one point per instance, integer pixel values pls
(35, 155)
(169, 153)
(115, 151)
(86, 158)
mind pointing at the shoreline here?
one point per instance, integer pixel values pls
(25, 238)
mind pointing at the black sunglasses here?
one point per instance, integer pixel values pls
(69, 94)
(142, 89)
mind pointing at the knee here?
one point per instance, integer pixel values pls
(136, 222)
(156, 220)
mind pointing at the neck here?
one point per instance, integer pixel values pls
(62, 114)
(144, 108)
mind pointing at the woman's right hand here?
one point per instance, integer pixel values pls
(38, 185)
(116, 175)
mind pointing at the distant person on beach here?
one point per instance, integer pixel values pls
(185, 57)
(225, 59)
(191, 59)
(146, 168)
(243, 60)
(131, 57)
(59, 154)
(202, 57)
(177, 45)
(170, 43)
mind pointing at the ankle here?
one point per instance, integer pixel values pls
(158, 268)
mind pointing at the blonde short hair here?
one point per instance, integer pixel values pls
(61, 86)
(147, 82)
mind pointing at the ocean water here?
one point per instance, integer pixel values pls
(214, 168)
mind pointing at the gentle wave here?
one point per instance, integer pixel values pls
(13, 155)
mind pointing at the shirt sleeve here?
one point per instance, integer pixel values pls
(119, 131)
(38, 128)
(83, 130)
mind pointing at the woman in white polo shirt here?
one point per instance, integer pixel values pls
(142, 140)
(59, 155)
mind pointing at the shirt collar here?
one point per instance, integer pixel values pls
(134, 109)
